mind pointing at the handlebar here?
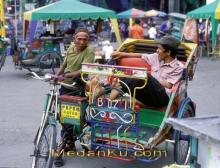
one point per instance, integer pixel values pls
(50, 78)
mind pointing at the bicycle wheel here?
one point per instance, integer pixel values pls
(45, 149)
(50, 61)
(2, 59)
(182, 141)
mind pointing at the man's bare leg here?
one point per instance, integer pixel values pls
(95, 87)
(114, 93)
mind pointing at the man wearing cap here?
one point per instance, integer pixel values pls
(79, 52)
(166, 70)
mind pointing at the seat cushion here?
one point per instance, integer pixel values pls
(134, 62)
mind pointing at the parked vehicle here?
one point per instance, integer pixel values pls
(39, 56)
(120, 125)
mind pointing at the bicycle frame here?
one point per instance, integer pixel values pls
(53, 95)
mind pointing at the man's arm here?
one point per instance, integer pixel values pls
(118, 54)
(174, 77)
(166, 84)
(72, 74)
(60, 71)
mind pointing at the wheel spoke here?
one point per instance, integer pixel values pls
(42, 155)
(182, 141)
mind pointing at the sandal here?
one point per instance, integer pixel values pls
(59, 162)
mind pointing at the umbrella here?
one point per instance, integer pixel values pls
(153, 13)
(131, 13)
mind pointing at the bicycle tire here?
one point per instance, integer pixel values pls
(57, 63)
(43, 158)
(182, 146)
(2, 59)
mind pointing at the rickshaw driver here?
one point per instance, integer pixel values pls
(78, 52)
(166, 70)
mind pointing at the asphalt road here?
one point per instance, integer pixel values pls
(22, 100)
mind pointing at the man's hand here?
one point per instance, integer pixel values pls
(58, 77)
(165, 84)
(116, 54)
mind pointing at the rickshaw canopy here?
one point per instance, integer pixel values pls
(75, 10)
(211, 11)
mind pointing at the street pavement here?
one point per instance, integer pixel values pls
(22, 101)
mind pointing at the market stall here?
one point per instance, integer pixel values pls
(211, 11)
(74, 10)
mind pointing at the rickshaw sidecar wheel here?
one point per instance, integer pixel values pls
(45, 150)
(182, 141)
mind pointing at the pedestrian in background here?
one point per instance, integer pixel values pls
(152, 32)
(136, 31)
(113, 37)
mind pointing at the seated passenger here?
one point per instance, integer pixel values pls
(166, 70)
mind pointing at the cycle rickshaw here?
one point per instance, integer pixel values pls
(121, 125)
(41, 55)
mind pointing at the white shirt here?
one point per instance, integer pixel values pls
(107, 50)
(152, 32)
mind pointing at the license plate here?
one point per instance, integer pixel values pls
(70, 111)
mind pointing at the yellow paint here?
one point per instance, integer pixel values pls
(177, 166)
(130, 22)
(28, 14)
(217, 11)
(116, 30)
(71, 112)
(2, 19)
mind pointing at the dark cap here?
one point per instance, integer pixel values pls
(170, 42)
